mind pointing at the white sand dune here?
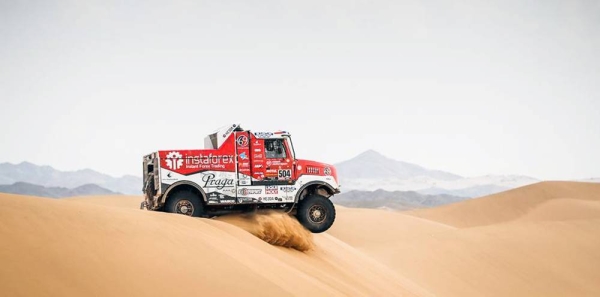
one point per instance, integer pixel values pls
(539, 240)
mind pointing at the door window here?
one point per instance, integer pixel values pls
(274, 149)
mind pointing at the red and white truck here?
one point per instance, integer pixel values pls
(237, 171)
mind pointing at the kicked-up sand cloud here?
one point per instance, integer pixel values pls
(276, 228)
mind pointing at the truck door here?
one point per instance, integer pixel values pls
(278, 162)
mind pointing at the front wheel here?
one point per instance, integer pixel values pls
(316, 213)
(185, 203)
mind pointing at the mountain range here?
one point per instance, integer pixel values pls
(396, 200)
(371, 171)
(368, 180)
(49, 177)
(24, 188)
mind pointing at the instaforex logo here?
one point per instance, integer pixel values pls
(174, 160)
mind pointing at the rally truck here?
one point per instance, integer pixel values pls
(240, 170)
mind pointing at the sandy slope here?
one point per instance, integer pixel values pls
(107, 247)
(539, 240)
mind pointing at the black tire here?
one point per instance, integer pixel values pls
(185, 203)
(316, 213)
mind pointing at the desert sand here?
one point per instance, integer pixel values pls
(538, 240)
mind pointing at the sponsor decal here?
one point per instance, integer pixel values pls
(174, 160)
(242, 140)
(257, 150)
(269, 163)
(327, 171)
(229, 130)
(227, 200)
(258, 156)
(208, 162)
(212, 198)
(246, 199)
(230, 191)
(209, 159)
(243, 156)
(169, 177)
(216, 197)
(257, 165)
(246, 192)
(284, 173)
(271, 190)
(263, 134)
(211, 182)
(287, 189)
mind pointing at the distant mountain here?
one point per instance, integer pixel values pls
(24, 188)
(371, 164)
(475, 191)
(396, 200)
(49, 177)
(371, 171)
(590, 180)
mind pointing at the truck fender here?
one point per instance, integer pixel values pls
(321, 184)
(179, 184)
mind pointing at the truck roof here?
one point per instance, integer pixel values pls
(215, 139)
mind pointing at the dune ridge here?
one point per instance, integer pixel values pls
(508, 205)
(85, 247)
(538, 240)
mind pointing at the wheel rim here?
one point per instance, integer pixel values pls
(185, 207)
(317, 214)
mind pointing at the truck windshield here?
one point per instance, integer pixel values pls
(288, 142)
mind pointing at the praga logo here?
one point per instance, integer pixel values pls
(327, 171)
(242, 140)
(211, 182)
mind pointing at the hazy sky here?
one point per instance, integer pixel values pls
(470, 87)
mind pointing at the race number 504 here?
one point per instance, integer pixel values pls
(284, 173)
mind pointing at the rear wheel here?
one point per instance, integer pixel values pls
(185, 203)
(316, 213)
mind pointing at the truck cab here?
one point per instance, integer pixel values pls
(241, 170)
